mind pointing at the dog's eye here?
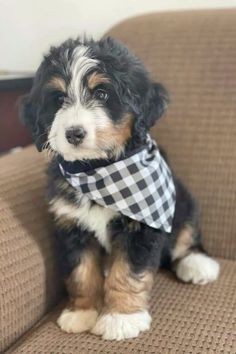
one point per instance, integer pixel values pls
(101, 95)
(59, 98)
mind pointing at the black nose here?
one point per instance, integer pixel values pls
(75, 135)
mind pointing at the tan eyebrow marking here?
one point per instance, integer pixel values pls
(58, 83)
(97, 78)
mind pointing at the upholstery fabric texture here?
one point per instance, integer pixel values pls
(29, 283)
(186, 319)
(193, 55)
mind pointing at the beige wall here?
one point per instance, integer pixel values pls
(29, 27)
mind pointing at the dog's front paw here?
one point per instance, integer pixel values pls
(197, 268)
(118, 326)
(77, 321)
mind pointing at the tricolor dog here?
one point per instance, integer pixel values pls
(120, 212)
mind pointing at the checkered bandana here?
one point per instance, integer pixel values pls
(140, 186)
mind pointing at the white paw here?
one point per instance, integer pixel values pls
(77, 321)
(118, 326)
(197, 268)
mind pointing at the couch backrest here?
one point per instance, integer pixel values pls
(194, 55)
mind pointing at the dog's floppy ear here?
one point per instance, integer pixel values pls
(156, 103)
(29, 115)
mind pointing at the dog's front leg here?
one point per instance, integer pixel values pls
(84, 283)
(127, 288)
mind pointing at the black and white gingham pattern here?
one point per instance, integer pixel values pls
(140, 186)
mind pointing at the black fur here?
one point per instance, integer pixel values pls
(145, 248)
(131, 90)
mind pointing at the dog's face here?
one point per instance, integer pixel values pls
(90, 99)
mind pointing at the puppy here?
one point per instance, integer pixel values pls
(91, 106)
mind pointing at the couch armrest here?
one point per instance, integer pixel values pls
(29, 284)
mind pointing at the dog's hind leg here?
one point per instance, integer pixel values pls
(190, 262)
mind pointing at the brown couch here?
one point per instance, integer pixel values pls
(194, 55)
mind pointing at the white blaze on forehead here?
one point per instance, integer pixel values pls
(81, 64)
(76, 113)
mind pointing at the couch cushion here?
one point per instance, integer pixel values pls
(186, 319)
(193, 53)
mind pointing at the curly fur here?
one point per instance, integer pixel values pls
(114, 126)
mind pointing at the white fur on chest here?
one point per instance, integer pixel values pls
(95, 218)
